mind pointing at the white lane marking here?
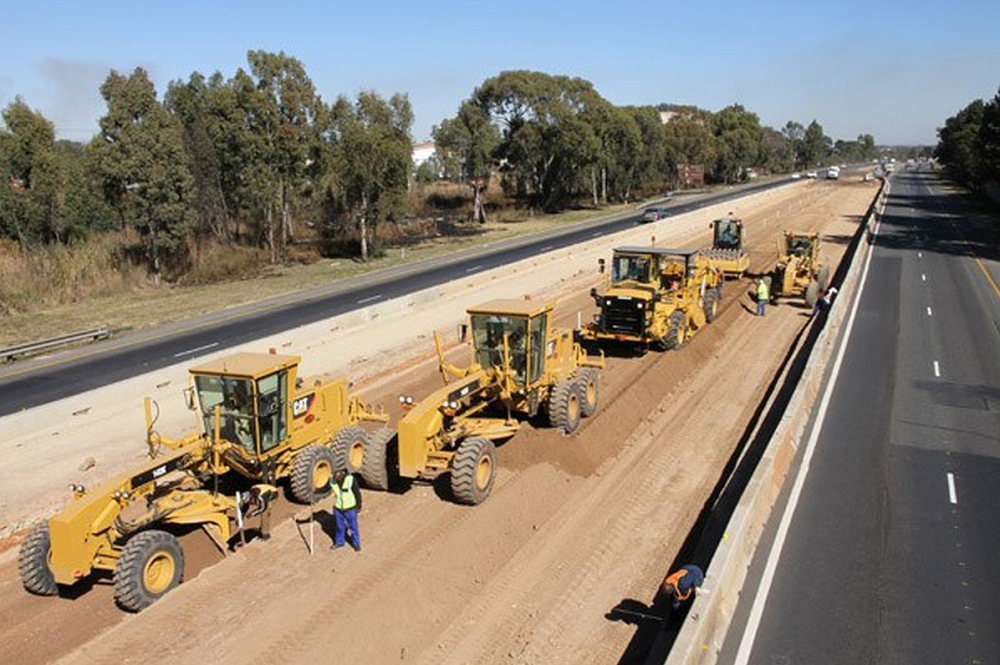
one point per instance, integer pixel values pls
(545, 249)
(952, 494)
(757, 611)
(474, 268)
(196, 350)
(929, 312)
(596, 235)
(937, 369)
(923, 278)
(369, 299)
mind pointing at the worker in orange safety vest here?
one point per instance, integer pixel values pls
(679, 585)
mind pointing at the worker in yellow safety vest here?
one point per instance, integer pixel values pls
(763, 295)
(346, 506)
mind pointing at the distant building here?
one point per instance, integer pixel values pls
(422, 152)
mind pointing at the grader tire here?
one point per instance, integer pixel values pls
(473, 471)
(375, 467)
(589, 388)
(823, 278)
(311, 473)
(812, 293)
(33, 562)
(711, 305)
(151, 564)
(677, 331)
(564, 406)
(349, 448)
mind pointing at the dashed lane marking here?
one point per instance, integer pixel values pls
(952, 494)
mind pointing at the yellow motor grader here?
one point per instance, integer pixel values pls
(261, 423)
(520, 365)
(656, 297)
(798, 271)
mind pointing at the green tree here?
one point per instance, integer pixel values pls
(140, 160)
(958, 146)
(32, 180)
(466, 144)
(655, 162)
(547, 145)
(284, 116)
(815, 145)
(738, 139)
(370, 157)
(988, 142)
(689, 135)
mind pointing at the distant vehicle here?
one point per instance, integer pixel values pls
(652, 215)
(796, 176)
(833, 173)
(812, 174)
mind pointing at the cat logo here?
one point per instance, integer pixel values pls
(301, 406)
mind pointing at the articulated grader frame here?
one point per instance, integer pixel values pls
(656, 297)
(798, 271)
(260, 424)
(520, 365)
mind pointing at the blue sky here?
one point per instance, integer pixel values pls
(895, 70)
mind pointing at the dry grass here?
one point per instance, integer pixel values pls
(60, 290)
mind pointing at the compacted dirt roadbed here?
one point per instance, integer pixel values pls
(574, 525)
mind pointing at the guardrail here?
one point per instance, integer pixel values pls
(704, 630)
(31, 348)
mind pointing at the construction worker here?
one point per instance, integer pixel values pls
(679, 585)
(258, 502)
(763, 295)
(346, 506)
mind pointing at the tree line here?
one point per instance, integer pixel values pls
(969, 144)
(252, 158)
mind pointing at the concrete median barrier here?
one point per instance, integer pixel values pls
(705, 628)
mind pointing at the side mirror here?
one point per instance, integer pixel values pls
(593, 292)
(189, 398)
(463, 331)
(600, 265)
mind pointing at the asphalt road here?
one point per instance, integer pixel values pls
(31, 383)
(891, 552)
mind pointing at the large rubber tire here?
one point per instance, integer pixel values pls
(375, 467)
(151, 564)
(823, 278)
(564, 406)
(812, 293)
(588, 385)
(677, 331)
(33, 562)
(711, 305)
(349, 448)
(311, 473)
(473, 471)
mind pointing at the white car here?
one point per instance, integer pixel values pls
(812, 174)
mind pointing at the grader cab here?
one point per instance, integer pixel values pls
(261, 424)
(798, 271)
(656, 297)
(520, 365)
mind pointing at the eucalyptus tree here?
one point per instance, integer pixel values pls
(283, 115)
(655, 161)
(32, 180)
(738, 138)
(815, 144)
(690, 137)
(370, 154)
(140, 160)
(547, 145)
(465, 145)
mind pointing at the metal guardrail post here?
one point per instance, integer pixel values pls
(31, 348)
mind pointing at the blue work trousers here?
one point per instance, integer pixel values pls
(346, 520)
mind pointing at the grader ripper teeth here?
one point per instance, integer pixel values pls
(260, 424)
